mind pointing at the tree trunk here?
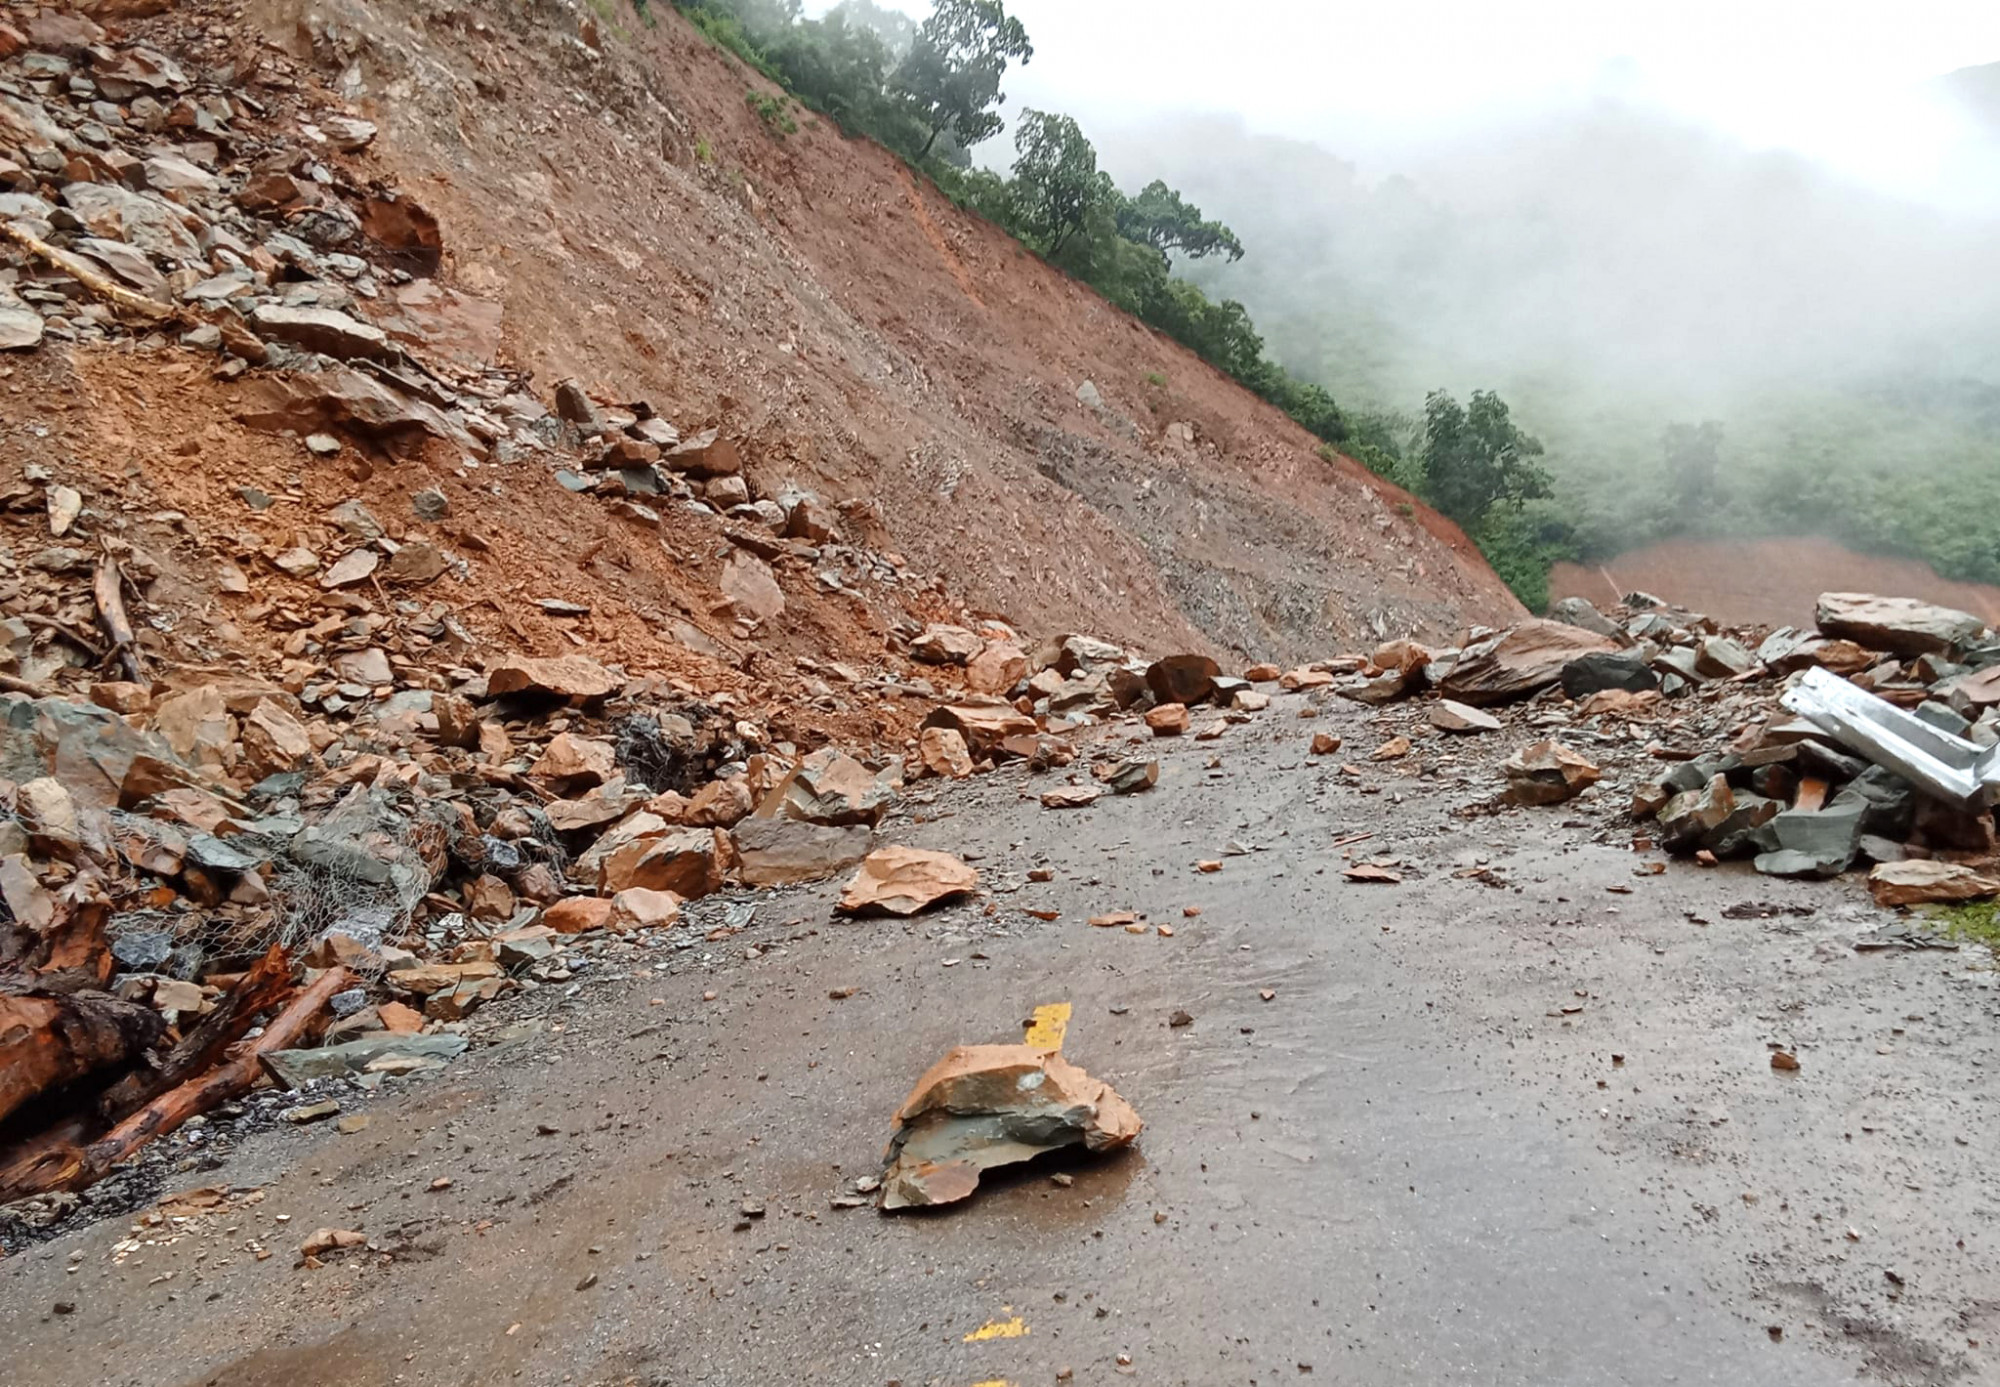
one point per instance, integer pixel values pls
(925, 152)
(228, 1080)
(47, 1042)
(260, 989)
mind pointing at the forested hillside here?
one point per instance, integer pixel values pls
(1706, 340)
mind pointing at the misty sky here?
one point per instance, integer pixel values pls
(1836, 80)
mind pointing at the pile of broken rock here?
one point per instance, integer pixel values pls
(1788, 792)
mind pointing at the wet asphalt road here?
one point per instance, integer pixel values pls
(1510, 1122)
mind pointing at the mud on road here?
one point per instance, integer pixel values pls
(1512, 1121)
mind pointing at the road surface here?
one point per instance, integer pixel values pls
(1511, 1122)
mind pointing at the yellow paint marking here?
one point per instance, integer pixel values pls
(1046, 1031)
(998, 1329)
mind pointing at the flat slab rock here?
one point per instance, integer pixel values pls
(983, 1106)
(1924, 883)
(904, 881)
(1898, 625)
(1525, 660)
(566, 676)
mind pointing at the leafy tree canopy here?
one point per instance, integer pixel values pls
(951, 76)
(896, 29)
(1057, 184)
(1161, 218)
(1475, 458)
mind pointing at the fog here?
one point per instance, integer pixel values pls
(1781, 216)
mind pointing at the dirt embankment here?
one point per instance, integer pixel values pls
(637, 225)
(1764, 582)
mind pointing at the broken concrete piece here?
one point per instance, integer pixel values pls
(903, 881)
(983, 1106)
(1547, 773)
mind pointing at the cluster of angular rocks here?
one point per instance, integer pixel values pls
(1778, 790)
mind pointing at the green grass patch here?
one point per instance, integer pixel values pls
(771, 110)
(1975, 922)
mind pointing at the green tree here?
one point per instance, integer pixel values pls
(896, 29)
(1056, 182)
(1694, 468)
(1475, 458)
(1159, 217)
(951, 76)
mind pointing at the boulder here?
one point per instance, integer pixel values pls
(688, 863)
(273, 740)
(781, 852)
(1547, 773)
(997, 668)
(1813, 842)
(943, 752)
(707, 454)
(904, 881)
(575, 678)
(1523, 661)
(749, 588)
(573, 763)
(1608, 669)
(1575, 611)
(1691, 815)
(1718, 657)
(578, 914)
(1183, 679)
(1168, 720)
(829, 787)
(328, 401)
(639, 908)
(323, 330)
(983, 725)
(1405, 657)
(945, 645)
(1898, 625)
(983, 1106)
(1925, 883)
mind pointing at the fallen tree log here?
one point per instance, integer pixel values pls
(228, 1080)
(55, 1158)
(47, 1043)
(108, 587)
(260, 989)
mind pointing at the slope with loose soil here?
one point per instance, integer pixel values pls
(1772, 582)
(640, 227)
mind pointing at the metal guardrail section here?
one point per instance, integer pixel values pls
(1950, 768)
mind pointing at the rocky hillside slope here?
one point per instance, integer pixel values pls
(612, 209)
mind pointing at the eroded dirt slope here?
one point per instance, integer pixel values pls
(1773, 581)
(637, 226)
